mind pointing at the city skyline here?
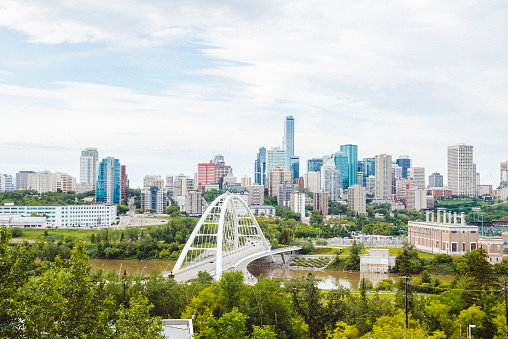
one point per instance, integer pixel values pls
(166, 86)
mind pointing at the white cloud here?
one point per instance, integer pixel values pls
(406, 77)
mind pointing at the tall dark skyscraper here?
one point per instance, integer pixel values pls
(289, 140)
(260, 167)
(404, 162)
(314, 165)
(352, 158)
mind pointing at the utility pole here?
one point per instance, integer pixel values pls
(405, 290)
(505, 302)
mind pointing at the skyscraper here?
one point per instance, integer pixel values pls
(461, 170)
(276, 157)
(22, 180)
(418, 176)
(342, 164)
(352, 157)
(330, 180)
(206, 175)
(88, 164)
(260, 167)
(108, 188)
(289, 140)
(124, 182)
(367, 167)
(295, 166)
(314, 164)
(404, 162)
(435, 180)
(503, 171)
(383, 171)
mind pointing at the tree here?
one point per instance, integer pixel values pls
(344, 331)
(316, 217)
(407, 261)
(231, 325)
(135, 322)
(306, 301)
(481, 271)
(353, 263)
(121, 209)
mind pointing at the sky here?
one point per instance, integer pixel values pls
(164, 85)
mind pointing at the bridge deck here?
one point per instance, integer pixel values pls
(191, 272)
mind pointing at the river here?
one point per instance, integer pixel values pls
(329, 278)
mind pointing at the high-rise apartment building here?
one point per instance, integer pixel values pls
(314, 164)
(22, 180)
(418, 176)
(383, 177)
(275, 157)
(435, 180)
(351, 152)
(206, 174)
(46, 181)
(108, 188)
(402, 188)
(88, 165)
(256, 195)
(153, 198)
(245, 181)
(357, 199)
(461, 170)
(7, 183)
(297, 203)
(182, 185)
(289, 140)
(124, 182)
(275, 177)
(312, 181)
(260, 167)
(503, 171)
(284, 191)
(342, 164)
(195, 204)
(416, 199)
(330, 180)
(321, 202)
(151, 180)
(404, 162)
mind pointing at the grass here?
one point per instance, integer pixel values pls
(36, 234)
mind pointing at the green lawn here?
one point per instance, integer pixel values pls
(36, 234)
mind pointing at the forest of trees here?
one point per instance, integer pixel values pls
(66, 298)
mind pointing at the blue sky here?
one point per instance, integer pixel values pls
(165, 85)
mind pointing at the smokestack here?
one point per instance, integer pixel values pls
(463, 219)
(427, 216)
(455, 217)
(449, 217)
(432, 216)
(438, 216)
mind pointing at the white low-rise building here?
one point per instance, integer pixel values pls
(13, 220)
(262, 209)
(378, 260)
(66, 215)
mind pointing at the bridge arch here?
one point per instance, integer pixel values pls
(226, 233)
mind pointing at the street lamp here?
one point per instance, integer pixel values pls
(470, 327)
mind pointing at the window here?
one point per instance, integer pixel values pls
(454, 247)
(463, 247)
(473, 246)
(473, 232)
(454, 231)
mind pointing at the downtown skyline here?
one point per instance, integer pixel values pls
(163, 87)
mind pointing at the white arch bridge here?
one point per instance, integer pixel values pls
(227, 237)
